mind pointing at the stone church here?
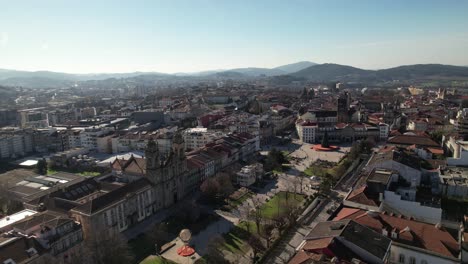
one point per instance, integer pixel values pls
(167, 173)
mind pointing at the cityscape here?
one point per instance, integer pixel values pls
(208, 145)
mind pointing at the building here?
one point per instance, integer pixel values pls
(459, 151)
(307, 131)
(167, 174)
(343, 241)
(33, 118)
(461, 122)
(385, 190)
(110, 207)
(343, 104)
(249, 174)
(281, 118)
(16, 143)
(419, 124)
(453, 182)
(49, 233)
(407, 140)
(412, 241)
(198, 137)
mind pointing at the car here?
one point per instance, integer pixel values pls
(315, 178)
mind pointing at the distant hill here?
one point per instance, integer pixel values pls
(295, 67)
(336, 72)
(423, 71)
(330, 72)
(257, 71)
(284, 74)
(39, 79)
(37, 82)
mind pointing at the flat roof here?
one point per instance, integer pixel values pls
(28, 163)
(380, 175)
(8, 220)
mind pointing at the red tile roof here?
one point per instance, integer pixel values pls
(359, 196)
(317, 243)
(417, 234)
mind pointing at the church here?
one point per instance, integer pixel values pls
(166, 173)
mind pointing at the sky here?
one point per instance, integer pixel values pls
(188, 36)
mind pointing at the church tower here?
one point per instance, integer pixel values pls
(152, 155)
(178, 146)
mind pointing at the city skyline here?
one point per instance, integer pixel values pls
(184, 36)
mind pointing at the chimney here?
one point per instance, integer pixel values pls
(384, 231)
(395, 233)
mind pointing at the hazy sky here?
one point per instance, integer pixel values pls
(184, 36)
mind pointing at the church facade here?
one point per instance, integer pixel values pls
(167, 173)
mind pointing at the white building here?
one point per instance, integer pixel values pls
(198, 137)
(307, 131)
(459, 150)
(15, 143)
(248, 175)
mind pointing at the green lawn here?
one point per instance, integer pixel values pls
(84, 173)
(336, 171)
(156, 260)
(51, 171)
(236, 238)
(278, 205)
(242, 199)
(90, 173)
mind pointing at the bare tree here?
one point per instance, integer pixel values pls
(214, 255)
(107, 248)
(267, 233)
(256, 244)
(256, 213)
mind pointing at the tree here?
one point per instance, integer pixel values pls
(210, 188)
(256, 244)
(107, 248)
(214, 255)
(41, 167)
(326, 184)
(159, 235)
(325, 142)
(226, 187)
(267, 233)
(188, 212)
(275, 160)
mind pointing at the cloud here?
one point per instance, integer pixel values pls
(4, 38)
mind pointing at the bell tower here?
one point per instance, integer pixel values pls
(152, 155)
(178, 146)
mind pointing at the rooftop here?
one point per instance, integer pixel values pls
(324, 233)
(430, 238)
(11, 219)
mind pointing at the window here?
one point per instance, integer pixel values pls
(412, 260)
(401, 258)
(423, 261)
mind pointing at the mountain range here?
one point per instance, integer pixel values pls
(336, 72)
(303, 70)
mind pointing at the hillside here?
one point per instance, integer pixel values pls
(332, 72)
(295, 67)
(336, 72)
